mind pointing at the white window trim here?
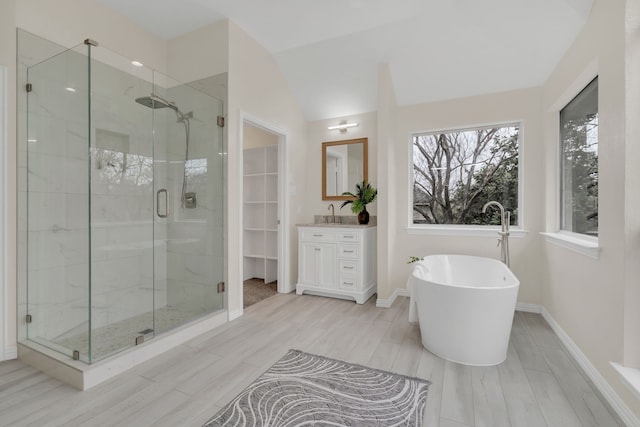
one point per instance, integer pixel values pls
(582, 240)
(630, 378)
(463, 230)
(585, 245)
(576, 242)
(468, 230)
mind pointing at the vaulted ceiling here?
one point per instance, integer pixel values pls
(329, 50)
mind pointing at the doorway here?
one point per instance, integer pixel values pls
(262, 210)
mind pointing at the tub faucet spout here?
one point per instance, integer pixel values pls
(503, 239)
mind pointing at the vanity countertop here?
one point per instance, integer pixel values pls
(336, 225)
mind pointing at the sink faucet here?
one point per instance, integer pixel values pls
(503, 240)
(333, 214)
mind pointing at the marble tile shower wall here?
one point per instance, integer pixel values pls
(195, 244)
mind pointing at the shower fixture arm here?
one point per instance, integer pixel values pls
(154, 101)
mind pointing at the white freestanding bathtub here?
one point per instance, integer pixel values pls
(464, 305)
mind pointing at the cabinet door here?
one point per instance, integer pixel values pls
(308, 264)
(327, 271)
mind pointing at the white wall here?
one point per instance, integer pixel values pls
(253, 137)
(258, 89)
(199, 54)
(8, 275)
(387, 118)
(70, 22)
(584, 295)
(523, 106)
(632, 195)
(317, 134)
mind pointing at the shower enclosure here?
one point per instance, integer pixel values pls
(121, 195)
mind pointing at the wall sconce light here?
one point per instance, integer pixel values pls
(343, 126)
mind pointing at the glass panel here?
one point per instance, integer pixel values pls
(57, 201)
(189, 164)
(456, 172)
(122, 197)
(579, 133)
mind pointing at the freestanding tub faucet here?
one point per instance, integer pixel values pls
(505, 220)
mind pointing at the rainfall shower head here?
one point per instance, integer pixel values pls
(154, 101)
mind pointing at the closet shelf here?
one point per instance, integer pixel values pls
(260, 185)
(254, 256)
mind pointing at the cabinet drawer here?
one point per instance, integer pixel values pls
(349, 283)
(348, 236)
(349, 267)
(349, 251)
(317, 236)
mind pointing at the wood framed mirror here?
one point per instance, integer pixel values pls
(344, 164)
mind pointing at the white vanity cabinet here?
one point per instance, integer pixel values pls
(337, 261)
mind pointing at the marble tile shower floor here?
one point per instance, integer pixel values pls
(117, 336)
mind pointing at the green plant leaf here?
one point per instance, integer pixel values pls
(365, 194)
(345, 203)
(357, 206)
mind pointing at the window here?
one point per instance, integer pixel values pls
(456, 172)
(579, 160)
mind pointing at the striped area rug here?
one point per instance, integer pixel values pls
(305, 389)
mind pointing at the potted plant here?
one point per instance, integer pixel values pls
(365, 194)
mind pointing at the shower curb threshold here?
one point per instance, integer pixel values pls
(84, 376)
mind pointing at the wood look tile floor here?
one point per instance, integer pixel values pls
(538, 385)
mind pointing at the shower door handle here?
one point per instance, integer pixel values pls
(166, 203)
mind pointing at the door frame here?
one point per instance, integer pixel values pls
(284, 285)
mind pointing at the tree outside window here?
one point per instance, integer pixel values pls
(579, 153)
(456, 172)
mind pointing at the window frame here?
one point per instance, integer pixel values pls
(468, 229)
(570, 237)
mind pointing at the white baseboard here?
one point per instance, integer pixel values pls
(10, 353)
(386, 303)
(403, 292)
(598, 380)
(529, 308)
(235, 314)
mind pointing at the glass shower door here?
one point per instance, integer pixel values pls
(121, 205)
